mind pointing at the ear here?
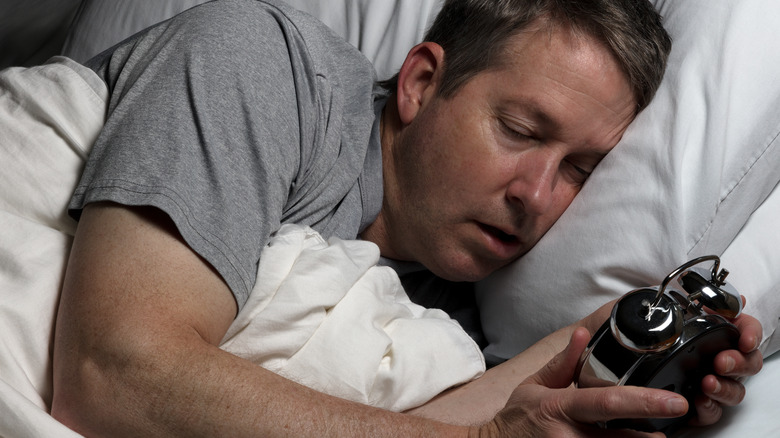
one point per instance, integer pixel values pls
(418, 79)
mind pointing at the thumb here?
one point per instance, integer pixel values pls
(559, 371)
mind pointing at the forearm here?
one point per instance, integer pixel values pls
(203, 391)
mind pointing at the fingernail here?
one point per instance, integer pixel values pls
(677, 405)
(729, 365)
(717, 387)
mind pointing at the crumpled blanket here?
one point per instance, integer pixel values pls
(323, 314)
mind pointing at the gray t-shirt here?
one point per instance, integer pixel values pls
(235, 117)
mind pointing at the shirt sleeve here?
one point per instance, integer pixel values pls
(204, 124)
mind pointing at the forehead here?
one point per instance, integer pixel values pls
(548, 45)
(555, 72)
(565, 66)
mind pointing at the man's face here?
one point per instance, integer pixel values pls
(476, 179)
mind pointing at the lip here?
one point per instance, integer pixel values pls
(501, 244)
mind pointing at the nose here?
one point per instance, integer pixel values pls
(534, 182)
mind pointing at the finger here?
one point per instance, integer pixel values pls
(733, 363)
(559, 371)
(592, 405)
(750, 332)
(727, 392)
(708, 411)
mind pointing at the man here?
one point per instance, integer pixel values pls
(240, 115)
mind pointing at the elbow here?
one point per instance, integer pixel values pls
(118, 389)
(81, 400)
(67, 411)
(109, 391)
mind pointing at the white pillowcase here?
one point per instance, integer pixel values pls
(682, 183)
(384, 30)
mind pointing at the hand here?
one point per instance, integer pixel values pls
(731, 366)
(546, 404)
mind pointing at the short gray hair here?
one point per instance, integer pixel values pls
(474, 34)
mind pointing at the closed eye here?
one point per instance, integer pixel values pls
(577, 174)
(575, 170)
(519, 133)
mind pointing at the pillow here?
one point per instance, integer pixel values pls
(383, 30)
(684, 180)
(32, 31)
(753, 259)
(49, 117)
(100, 24)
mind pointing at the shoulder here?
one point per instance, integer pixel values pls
(242, 24)
(241, 37)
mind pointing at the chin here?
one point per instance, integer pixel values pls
(467, 271)
(461, 277)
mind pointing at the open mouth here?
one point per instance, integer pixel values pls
(500, 235)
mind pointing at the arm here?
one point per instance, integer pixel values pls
(135, 348)
(135, 355)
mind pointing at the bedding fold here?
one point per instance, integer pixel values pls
(324, 315)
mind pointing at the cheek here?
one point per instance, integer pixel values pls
(569, 193)
(563, 197)
(482, 167)
(462, 164)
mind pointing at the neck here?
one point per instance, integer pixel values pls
(379, 230)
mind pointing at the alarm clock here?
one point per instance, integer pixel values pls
(664, 337)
